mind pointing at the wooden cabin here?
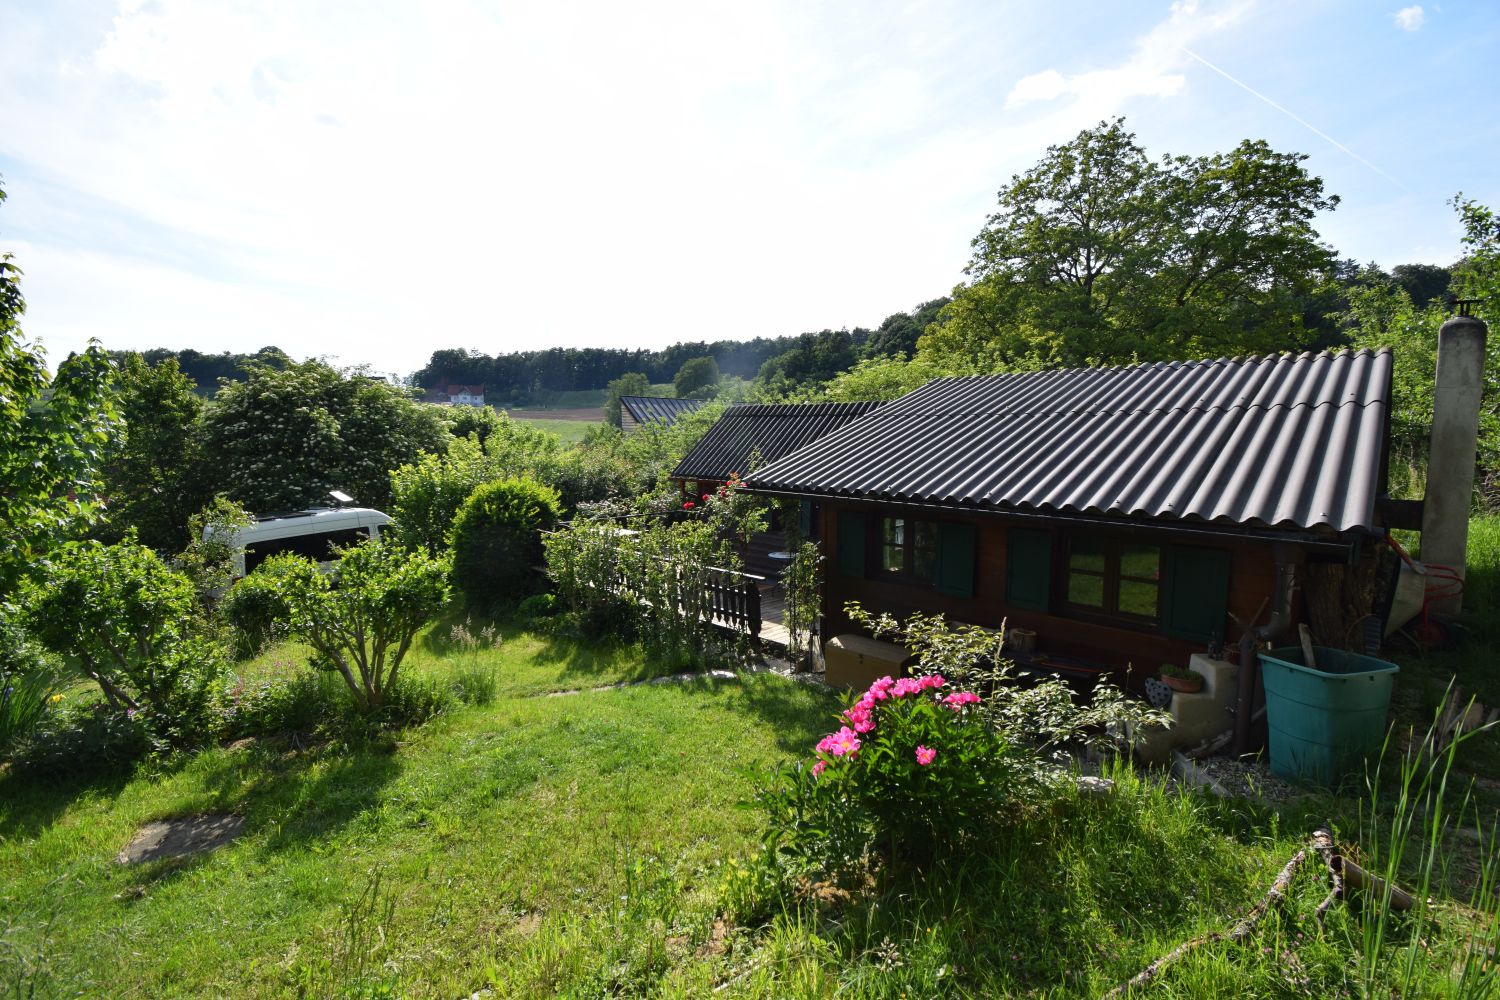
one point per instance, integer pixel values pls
(1128, 516)
(638, 410)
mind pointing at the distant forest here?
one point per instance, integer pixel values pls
(520, 376)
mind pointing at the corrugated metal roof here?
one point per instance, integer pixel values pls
(1280, 441)
(647, 408)
(774, 430)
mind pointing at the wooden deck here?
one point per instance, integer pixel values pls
(772, 612)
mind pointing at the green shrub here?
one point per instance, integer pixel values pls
(28, 679)
(426, 495)
(497, 544)
(912, 771)
(362, 624)
(132, 625)
(256, 609)
(86, 740)
(305, 704)
(538, 606)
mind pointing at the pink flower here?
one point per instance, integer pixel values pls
(907, 686)
(925, 755)
(859, 718)
(819, 767)
(845, 742)
(879, 691)
(959, 699)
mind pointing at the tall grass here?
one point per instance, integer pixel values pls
(1406, 831)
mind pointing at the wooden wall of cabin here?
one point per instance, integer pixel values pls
(1251, 582)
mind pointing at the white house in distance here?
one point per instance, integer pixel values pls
(456, 395)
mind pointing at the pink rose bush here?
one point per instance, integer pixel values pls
(910, 771)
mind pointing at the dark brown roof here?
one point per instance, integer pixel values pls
(773, 430)
(1281, 441)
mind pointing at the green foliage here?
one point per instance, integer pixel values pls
(426, 495)
(154, 473)
(897, 336)
(52, 435)
(282, 439)
(362, 623)
(85, 740)
(476, 421)
(132, 625)
(538, 606)
(256, 608)
(497, 544)
(1099, 253)
(876, 378)
(629, 384)
(209, 558)
(814, 358)
(1039, 714)
(696, 377)
(643, 568)
(28, 682)
(1382, 314)
(913, 772)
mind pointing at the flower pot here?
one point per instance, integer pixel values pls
(1187, 685)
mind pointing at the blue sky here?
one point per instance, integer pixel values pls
(368, 181)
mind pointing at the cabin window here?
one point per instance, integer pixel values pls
(909, 549)
(1113, 577)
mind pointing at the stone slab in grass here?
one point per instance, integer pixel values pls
(179, 838)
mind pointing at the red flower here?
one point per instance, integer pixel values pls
(705, 496)
(688, 505)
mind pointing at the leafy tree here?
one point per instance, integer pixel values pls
(153, 474)
(898, 334)
(479, 421)
(1383, 314)
(1423, 282)
(52, 434)
(361, 625)
(132, 625)
(1098, 253)
(697, 376)
(426, 494)
(282, 439)
(497, 543)
(816, 357)
(629, 384)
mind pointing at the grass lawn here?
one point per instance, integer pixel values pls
(503, 837)
(570, 430)
(590, 845)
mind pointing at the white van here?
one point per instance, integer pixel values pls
(314, 533)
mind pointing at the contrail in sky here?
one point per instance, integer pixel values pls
(1304, 123)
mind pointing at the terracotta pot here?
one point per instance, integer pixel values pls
(1187, 685)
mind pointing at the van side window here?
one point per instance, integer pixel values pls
(317, 547)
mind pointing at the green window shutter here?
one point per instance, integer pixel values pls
(851, 542)
(1195, 601)
(955, 567)
(1028, 568)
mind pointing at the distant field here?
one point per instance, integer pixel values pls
(589, 414)
(570, 425)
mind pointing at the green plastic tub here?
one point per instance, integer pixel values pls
(1324, 723)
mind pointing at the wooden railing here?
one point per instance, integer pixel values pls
(731, 597)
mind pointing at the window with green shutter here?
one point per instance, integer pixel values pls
(957, 544)
(851, 542)
(1028, 568)
(1195, 602)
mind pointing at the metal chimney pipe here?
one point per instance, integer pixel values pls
(1451, 453)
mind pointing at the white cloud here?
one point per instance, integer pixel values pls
(1410, 18)
(1152, 70)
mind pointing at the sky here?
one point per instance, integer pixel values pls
(369, 181)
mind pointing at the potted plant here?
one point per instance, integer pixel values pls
(1181, 678)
